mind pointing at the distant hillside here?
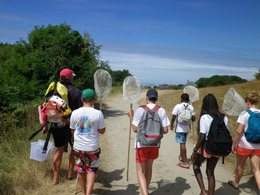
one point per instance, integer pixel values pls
(219, 80)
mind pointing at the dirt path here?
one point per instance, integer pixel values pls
(167, 177)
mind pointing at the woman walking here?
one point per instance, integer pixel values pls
(209, 108)
(244, 148)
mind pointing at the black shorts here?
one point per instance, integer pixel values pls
(62, 136)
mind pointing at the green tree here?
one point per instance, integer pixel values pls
(118, 76)
(257, 75)
(27, 68)
(218, 80)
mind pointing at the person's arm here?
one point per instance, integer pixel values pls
(197, 146)
(102, 131)
(131, 116)
(72, 131)
(238, 134)
(172, 121)
(45, 129)
(165, 130)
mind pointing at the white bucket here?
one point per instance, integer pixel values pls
(36, 150)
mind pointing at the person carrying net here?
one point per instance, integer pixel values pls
(242, 146)
(146, 154)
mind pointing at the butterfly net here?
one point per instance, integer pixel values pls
(233, 103)
(102, 83)
(193, 93)
(131, 89)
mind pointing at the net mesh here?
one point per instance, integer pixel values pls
(102, 83)
(193, 93)
(233, 103)
(131, 89)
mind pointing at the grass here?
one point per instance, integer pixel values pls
(168, 99)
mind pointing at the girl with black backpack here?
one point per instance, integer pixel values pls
(209, 110)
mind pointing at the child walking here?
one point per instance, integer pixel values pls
(244, 148)
(146, 154)
(180, 112)
(86, 123)
(209, 108)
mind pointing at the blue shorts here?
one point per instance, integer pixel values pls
(181, 138)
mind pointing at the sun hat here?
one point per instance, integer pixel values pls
(88, 94)
(67, 73)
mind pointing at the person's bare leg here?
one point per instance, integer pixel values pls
(241, 161)
(211, 165)
(198, 175)
(148, 171)
(140, 170)
(82, 181)
(71, 173)
(255, 163)
(56, 163)
(184, 153)
(90, 182)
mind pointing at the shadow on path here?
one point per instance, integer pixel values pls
(131, 189)
(166, 187)
(250, 188)
(106, 178)
(110, 112)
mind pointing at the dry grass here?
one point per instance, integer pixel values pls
(168, 99)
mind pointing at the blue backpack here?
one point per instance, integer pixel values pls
(252, 133)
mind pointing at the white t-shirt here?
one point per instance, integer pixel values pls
(86, 121)
(138, 116)
(205, 122)
(181, 128)
(243, 119)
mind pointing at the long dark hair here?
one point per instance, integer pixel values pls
(209, 106)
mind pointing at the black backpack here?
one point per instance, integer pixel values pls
(219, 140)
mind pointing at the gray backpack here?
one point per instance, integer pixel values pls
(150, 129)
(184, 116)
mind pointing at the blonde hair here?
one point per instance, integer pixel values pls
(253, 97)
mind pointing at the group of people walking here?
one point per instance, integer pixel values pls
(145, 155)
(86, 123)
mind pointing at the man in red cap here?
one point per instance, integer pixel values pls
(62, 136)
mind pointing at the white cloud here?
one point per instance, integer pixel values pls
(158, 70)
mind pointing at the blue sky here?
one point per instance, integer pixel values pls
(165, 41)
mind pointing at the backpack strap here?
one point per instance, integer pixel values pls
(250, 112)
(44, 150)
(35, 133)
(145, 107)
(155, 108)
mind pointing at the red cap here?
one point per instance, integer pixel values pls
(67, 73)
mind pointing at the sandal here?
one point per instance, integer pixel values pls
(182, 165)
(180, 159)
(232, 183)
